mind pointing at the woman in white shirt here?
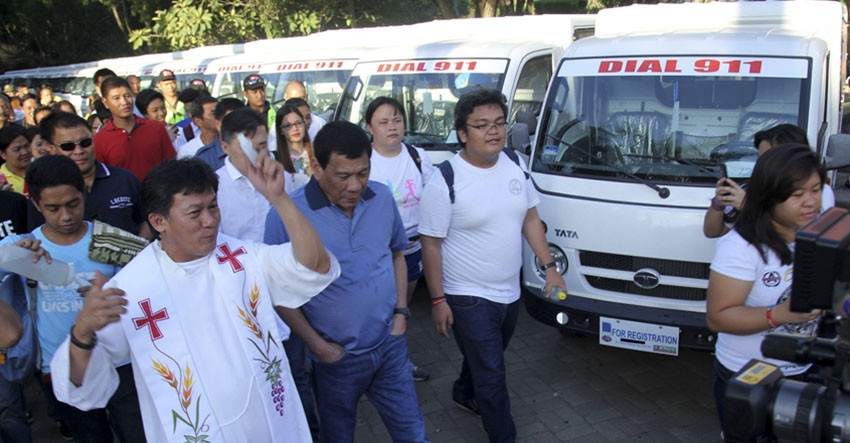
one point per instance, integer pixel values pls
(751, 273)
(294, 149)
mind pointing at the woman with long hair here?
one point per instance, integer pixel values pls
(750, 282)
(294, 149)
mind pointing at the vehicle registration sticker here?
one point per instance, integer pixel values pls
(637, 336)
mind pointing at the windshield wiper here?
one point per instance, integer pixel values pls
(662, 191)
(701, 166)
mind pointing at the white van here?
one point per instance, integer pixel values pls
(439, 60)
(639, 124)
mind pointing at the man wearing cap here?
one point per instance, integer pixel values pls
(254, 90)
(199, 84)
(166, 82)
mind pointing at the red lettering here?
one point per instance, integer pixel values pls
(671, 66)
(650, 66)
(385, 67)
(471, 65)
(407, 67)
(420, 67)
(606, 66)
(441, 66)
(734, 66)
(631, 65)
(755, 66)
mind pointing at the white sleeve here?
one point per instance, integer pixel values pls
(435, 208)
(181, 139)
(827, 198)
(531, 192)
(100, 380)
(292, 284)
(734, 257)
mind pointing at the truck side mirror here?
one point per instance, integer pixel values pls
(520, 140)
(837, 151)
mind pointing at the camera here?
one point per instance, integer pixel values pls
(763, 406)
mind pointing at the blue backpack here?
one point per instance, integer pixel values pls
(17, 362)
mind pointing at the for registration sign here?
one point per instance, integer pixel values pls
(638, 336)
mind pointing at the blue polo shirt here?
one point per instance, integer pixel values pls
(114, 198)
(356, 310)
(212, 154)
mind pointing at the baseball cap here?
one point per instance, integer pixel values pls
(8, 88)
(165, 75)
(198, 83)
(253, 81)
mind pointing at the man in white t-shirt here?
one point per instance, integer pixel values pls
(202, 113)
(471, 237)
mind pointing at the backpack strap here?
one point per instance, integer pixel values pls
(414, 154)
(515, 158)
(449, 176)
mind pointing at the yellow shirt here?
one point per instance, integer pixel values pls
(16, 181)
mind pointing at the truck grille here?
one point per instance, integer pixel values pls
(661, 291)
(672, 268)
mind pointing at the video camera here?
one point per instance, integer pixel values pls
(762, 406)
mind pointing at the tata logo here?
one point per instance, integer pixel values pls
(647, 278)
(563, 233)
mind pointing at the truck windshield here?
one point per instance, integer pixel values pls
(324, 87)
(428, 89)
(674, 120)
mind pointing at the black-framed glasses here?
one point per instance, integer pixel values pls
(488, 126)
(70, 146)
(287, 126)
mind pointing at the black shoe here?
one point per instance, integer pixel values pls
(64, 431)
(469, 406)
(420, 374)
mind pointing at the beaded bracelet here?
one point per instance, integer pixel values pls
(437, 300)
(769, 315)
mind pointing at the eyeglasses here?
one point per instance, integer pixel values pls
(488, 126)
(70, 146)
(286, 127)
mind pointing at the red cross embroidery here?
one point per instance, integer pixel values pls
(231, 257)
(150, 319)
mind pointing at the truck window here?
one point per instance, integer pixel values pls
(674, 120)
(531, 87)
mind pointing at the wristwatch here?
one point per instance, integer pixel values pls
(403, 311)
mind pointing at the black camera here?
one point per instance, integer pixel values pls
(761, 405)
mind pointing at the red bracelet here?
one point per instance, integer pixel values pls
(769, 315)
(436, 301)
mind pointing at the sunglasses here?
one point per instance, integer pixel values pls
(70, 146)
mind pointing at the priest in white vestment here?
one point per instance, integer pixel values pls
(195, 313)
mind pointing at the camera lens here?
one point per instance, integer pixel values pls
(797, 411)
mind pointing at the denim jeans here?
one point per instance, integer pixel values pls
(482, 330)
(96, 426)
(384, 374)
(296, 353)
(13, 418)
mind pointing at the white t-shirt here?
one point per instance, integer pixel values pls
(316, 124)
(190, 148)
(406, 183)
(482, 230)
(738, 259)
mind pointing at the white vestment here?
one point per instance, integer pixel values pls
(207, 358)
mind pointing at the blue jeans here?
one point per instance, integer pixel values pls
(13, 418)
(482, 330)
(384, 374)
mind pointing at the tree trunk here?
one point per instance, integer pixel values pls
(447, 8)
(118, 20)
(488, 8)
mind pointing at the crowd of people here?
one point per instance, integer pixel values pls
(283, 253)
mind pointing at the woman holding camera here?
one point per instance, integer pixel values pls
(752, 269)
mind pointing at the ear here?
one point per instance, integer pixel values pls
(36, 204)
(225, 146)
(158, 222)
(317, 169)
(3, 154)
(462, 135)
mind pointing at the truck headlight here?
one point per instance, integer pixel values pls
(560, 261)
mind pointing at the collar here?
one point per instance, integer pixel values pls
(110, 125)
(232, 172)
(100, 170)
(317, 199)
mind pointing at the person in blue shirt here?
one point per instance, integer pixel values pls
(212, 153)
(354, 329)
(57, 189)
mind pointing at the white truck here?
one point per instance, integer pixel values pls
(639, 123)
(435, 62)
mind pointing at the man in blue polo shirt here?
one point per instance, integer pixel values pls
(355, 328)
(112, 193)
